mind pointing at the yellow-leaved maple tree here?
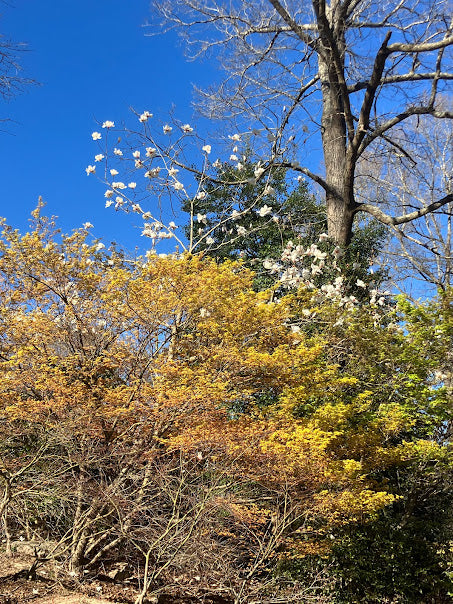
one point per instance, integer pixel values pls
(114, 363)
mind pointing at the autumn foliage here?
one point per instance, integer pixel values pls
(159, 407)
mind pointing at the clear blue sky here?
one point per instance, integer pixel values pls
(93, 61)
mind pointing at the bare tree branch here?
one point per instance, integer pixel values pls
(396, 220)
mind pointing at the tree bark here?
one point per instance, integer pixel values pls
(333, 131)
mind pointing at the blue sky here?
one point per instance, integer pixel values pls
(93, 62)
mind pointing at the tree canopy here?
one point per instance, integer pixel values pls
(346, 74)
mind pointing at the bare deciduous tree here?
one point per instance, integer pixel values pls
(424, 247)
(415, 179)
(11, 80)
(338, 78)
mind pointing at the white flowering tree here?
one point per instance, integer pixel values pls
(161, 171)
(157, 171)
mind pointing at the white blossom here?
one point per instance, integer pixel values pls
(236, 137)
(108, 203)
(136, 154)
(271, 266)
(108, 193)
(100, 246)
(173, 171)
(167, 129)
(87, 225)
(206, 149)
(172, 225)
(139, 164)
(210, 240)
(259, 171)
(152, 173)
(323, 237)
(268, 190)
(201, 195)
(241, 230)
(314, 251)
(146, 215)
(108, 124)
(187, 128)
(98, 157)
(117, 152)
(118, 185)
(360, 283)
(132, 185)
(329, 290)
(90, 169)
(178, 186)
(96, 136)
(202, 218)
(149, 231)
(265, 211)
(235, 214)
(151, 151)
(113, 172)
(136, 208)
(234, 157)
(145, 116)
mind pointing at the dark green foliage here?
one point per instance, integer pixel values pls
(404, 555)
(296, 216)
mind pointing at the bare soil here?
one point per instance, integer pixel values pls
(51, 585)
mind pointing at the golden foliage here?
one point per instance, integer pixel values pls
(92, 344)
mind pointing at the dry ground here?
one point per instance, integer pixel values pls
(51, 585)
(48, 587)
